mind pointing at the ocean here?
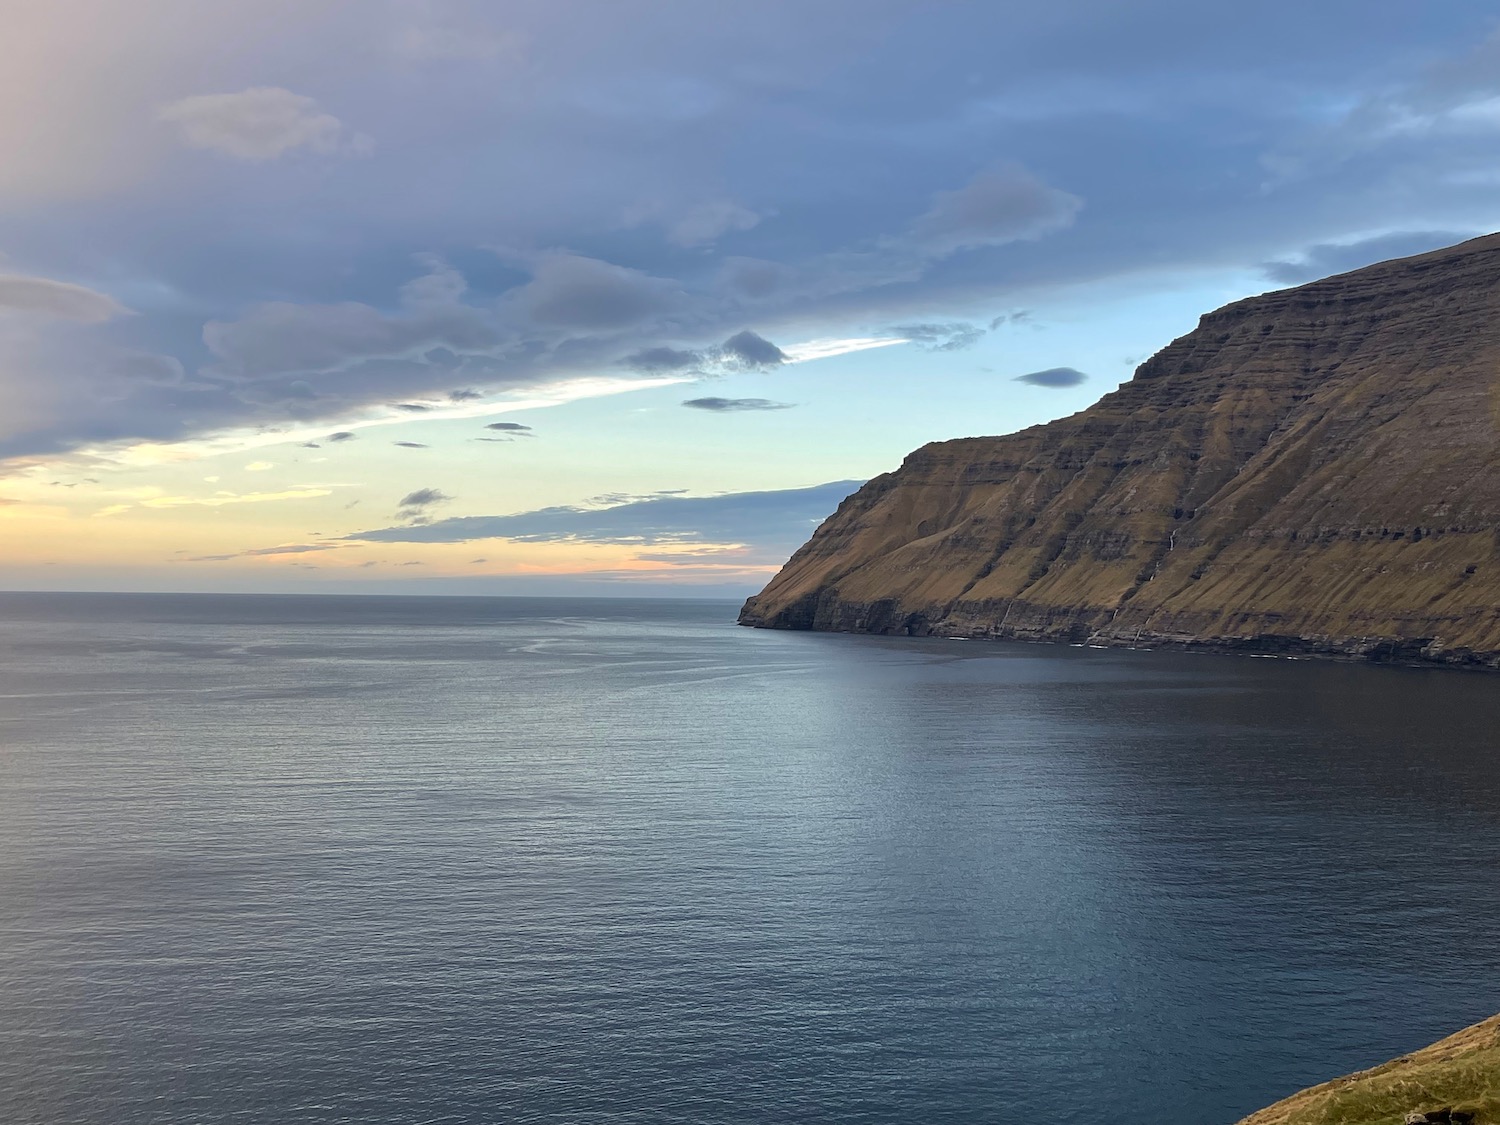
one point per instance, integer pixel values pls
(276, 860)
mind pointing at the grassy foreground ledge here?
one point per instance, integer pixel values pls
(1456, 1080)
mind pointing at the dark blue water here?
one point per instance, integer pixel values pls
(285, 860)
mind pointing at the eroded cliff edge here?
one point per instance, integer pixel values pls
(1312, 470)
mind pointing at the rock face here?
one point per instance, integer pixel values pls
(1315, 470)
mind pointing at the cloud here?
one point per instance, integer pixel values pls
(727, 405)
(749, 352)
(754, 278)
(575, 292)
(742, 352)
(343, 435)
(942, 337)
(269, 552)
(1054, 377)
(509, 427)
(1451, 106)
(220, 499)
(663, 360)
(1018, 316)
(300, 264)
(1327, 258)
(1006, 204)
(464, 395)
(424, 498)
(257, 124)
(413, 407)
(281, 338)
(43, 297)
(709, 222)
(410, 444)
(775, 523)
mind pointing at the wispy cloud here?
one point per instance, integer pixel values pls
(220, 499)
(271, 552)
(44, 297)
(1326, 258)
(732, 405)
(774, 523)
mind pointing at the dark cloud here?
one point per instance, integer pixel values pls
(774, 523)
(744, 351)
(1328, 258)
(951, 337)
(509, 427)
(424, 498)
(573, 292)
(311, 445)
(1002, 205)
(850, 203)
(1019, 316)
(413, 407)
(751, 352)
(660, 360)
(1054, 377)
(410, 444)
(342, 435)
(467, 394)
(727, 405)
(282, 338)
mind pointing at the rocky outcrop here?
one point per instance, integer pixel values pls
(1453, 1082)
(1315, 470)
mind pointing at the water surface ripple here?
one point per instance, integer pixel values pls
(461, 861)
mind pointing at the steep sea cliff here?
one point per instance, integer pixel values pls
(1314, 470)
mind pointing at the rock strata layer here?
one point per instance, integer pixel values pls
(1315, 470)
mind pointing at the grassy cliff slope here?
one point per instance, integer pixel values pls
(1456, 1080)
(1311, 470)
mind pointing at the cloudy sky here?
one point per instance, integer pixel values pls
(624, 295)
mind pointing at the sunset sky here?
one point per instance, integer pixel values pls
(613, 297)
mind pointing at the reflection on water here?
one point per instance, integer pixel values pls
(470, 860)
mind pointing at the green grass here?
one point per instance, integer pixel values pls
(1462, 1072)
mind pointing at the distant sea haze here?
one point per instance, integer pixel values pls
(461, 861)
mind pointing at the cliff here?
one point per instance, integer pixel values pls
(1455, 1081)
(1311, 470)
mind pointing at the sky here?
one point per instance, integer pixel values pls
(623, 296)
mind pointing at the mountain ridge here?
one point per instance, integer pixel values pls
(1311, 470)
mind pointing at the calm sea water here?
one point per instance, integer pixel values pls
(386, 860)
